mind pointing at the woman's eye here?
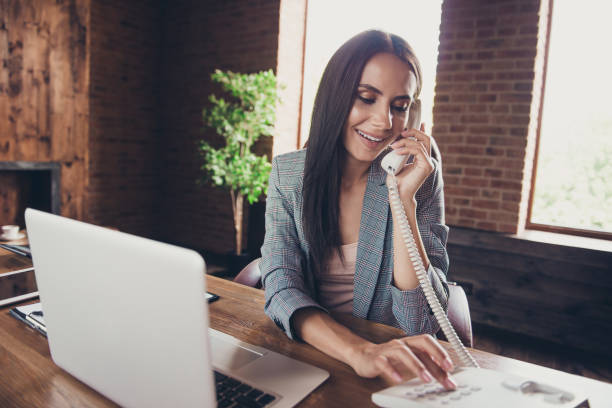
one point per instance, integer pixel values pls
(363, 99)
(400, 108)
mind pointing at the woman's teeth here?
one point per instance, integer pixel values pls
(373, 139)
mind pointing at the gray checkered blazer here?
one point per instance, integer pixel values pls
(285, 266)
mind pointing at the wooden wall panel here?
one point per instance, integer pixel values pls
(9, 198)
(552, 292)
(44, 84)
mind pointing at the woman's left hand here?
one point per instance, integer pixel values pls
(412, 176)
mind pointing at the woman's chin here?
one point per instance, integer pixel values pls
(364, 150)
(363, 155)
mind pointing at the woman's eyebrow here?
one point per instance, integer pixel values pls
(371, 88)
(379, 92)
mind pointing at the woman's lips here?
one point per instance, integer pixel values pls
(370, 137)
(369, 140)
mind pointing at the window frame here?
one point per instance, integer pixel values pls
(546, 227)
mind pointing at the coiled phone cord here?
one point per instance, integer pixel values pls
(396, 204)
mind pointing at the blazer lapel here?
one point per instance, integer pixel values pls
(371, 240)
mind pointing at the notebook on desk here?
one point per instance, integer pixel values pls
(128, 316)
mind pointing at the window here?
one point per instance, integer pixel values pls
(573, 181)
(330, 23)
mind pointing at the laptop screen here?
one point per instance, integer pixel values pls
(125, 315)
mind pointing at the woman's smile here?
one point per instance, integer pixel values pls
(370, 140)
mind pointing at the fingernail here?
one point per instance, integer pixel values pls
(447, 364)
(397, 377)
(449, 383)
(425, 376)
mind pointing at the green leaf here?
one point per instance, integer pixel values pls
(244, 114)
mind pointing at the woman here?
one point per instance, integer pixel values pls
(330, 242)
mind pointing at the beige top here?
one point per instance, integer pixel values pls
(337, 282)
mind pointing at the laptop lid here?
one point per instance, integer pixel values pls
(120, 312)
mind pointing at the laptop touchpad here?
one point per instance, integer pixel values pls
(227, 355)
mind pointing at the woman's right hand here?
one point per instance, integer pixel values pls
(400, 359)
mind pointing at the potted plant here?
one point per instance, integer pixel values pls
(241, 120)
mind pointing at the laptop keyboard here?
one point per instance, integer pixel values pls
(236, 394)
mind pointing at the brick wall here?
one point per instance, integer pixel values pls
(199, 37)
(486, 109)
(124, 165)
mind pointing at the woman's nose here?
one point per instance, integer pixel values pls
(383, 118)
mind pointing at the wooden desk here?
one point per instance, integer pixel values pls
(28, 377)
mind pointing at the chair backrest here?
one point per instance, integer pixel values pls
(458, 308)
(459, 314)
(250, 275)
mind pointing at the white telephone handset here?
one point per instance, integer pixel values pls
(477, 387)
(393, 162)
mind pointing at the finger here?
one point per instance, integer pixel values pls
(442, 376)
(407, 141)
(435, 369)
(414, 133)
(385, 367)
(404, 355)
(421, 158)
(433, 348)
(420, 136)
(416, 149)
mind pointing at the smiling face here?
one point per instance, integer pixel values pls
(380, 109)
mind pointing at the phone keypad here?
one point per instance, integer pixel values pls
(435, 392)
(476, 387)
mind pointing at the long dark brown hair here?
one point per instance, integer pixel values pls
(325, 152)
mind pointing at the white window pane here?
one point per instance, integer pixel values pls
(574, 176)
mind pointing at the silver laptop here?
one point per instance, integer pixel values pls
(128, 316)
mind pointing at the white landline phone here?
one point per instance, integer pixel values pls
(477, 387)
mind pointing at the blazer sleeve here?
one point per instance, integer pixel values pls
(410, 307)
(282, 258)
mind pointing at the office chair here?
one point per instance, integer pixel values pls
(458, 313)
(250, 275)
(458, 307)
